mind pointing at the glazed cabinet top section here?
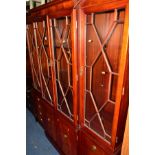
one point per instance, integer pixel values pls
(40, 58)
(104, 31)
(102, 57)
(52, 46)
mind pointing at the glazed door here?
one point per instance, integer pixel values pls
(33, 54)
(45, 59)
(101, 53)
(63, 32)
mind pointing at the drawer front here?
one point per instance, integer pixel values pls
(50, 125)
(59, 134)
(41, 117)
(66, 138)
(40, 111)
(88, 147)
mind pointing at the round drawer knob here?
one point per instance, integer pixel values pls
(102, 85)
(41, 119)
(103, 73)
(65, 136)
(48, 119)
(40, 113)
(89, 41)
(94, 148)
(38, 99)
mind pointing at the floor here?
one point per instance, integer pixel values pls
(36, 141)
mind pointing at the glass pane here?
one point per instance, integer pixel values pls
(103, 45)
(33, 57)
(63, 64)
(44, 59)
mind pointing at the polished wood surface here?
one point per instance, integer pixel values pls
(75, 64)
(124, 103)
(102, 5)
(79, 61)
(53, 9)
(122, 64)
(90, 145)
(67, 136)
(125, 145)
(50, 124)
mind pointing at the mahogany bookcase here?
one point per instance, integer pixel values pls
(79, 62)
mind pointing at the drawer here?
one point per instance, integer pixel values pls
(39, 106)
(50, 125)
(40, 111)
(66, 137)
(41, 121)
(89, 147)
(59, 134)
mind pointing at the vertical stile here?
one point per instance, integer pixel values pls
(51, 51)
(74, 63)
(123, 59)
(82, 36)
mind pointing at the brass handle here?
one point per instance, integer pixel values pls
(103, 73)
(89, 41)
(65, 136)
(41, 119)
(94, 148)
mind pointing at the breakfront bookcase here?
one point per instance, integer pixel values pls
(78, 53)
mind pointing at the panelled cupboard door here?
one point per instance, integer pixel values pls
(62, 30)
(89, 147)
(50, 123)
(100, 54)
(66, 137)
(40, 111)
